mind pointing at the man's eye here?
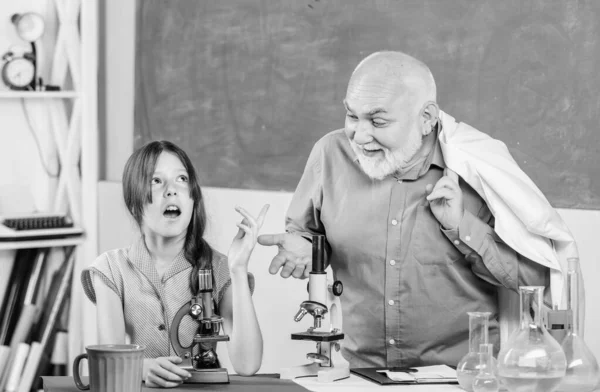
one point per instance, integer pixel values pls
(379, 123)
(351, 116)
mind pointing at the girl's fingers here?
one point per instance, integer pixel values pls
(170, 364)
(164, 374)
(246, 215)
(156, 380)
(262, 214)
(247, 229)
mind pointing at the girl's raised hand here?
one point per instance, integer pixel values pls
(245, 239)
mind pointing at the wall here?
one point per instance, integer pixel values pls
(249, 86)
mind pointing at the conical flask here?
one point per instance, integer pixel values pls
(583, 374)
(532, 360)
(468, 366)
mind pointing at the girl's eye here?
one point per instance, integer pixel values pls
(155, 181)
(183, 178)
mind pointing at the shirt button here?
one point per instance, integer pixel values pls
(161, 327)
(456, 242)
(392, 262)
(468, 238)
(391, 302)
(394, 222)
(392, 341)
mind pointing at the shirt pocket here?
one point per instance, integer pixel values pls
(428, 244)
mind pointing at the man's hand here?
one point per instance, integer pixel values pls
(163, 372)
(294, 256)
(446, 200)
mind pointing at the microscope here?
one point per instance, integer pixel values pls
(200, 358)
(324, 306)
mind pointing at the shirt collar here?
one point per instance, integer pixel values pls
(141, 258)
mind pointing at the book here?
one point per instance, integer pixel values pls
(15, 294)
(26, 321)
(30, 368)
(437, 374)
(4, 354)
(54, 305)
(16, 368)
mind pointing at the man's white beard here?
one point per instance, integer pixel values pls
(392, 162)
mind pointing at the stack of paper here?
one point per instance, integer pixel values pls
(427, 374)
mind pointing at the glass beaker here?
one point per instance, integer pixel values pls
(468, 366)
(532, 360)
(582, 373)
(486, 380)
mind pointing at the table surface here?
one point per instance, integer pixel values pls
(352, 384)
(358, 384)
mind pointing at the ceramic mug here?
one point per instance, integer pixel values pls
(112, 368)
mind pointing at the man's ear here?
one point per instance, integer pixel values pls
(429, 117)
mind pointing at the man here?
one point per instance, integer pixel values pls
(413, 244)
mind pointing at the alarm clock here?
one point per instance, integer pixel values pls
(18, 71)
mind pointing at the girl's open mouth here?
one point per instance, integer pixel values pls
(172, 212)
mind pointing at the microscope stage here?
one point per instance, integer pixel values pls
(318, 336)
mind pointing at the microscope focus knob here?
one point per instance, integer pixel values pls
(196, 310)
(337, 288)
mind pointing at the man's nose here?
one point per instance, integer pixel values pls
(362, 134)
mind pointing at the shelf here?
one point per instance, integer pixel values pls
(38, 94)
(9, 245)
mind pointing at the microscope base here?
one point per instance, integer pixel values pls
(208, 376)
(324, 374)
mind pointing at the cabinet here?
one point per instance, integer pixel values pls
(72, 122)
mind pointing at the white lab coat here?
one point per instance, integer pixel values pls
(524, 219)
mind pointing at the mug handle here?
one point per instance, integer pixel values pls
(76, 376)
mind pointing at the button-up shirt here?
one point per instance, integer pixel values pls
(149, 302)
(408, 283)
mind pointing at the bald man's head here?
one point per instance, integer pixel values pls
(390, 108)
(395, 71)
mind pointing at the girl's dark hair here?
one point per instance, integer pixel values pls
(137, 177)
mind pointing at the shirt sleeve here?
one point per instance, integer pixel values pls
(107, 271)
(304, 213)
(491, 259)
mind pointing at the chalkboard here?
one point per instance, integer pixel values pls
(248, 86)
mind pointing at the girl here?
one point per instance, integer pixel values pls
(138, 290)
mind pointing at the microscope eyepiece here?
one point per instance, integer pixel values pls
(205, 280)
